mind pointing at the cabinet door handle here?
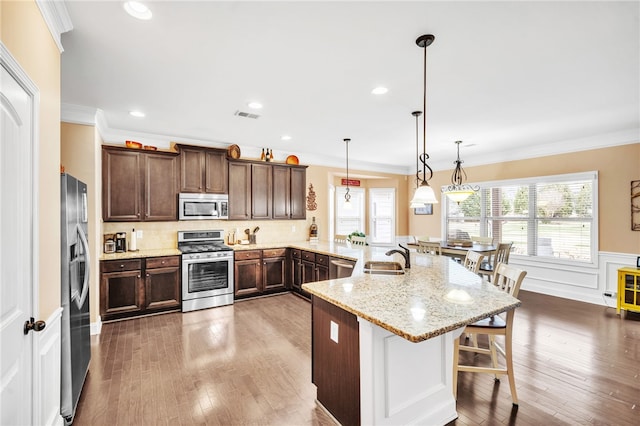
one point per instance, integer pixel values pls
(138, 275)
(122, 266)
(147, 274)
(163, 262)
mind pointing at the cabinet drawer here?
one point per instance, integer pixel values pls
(163, 262)
(247, 254)
(121, 265)
(295, 253)
(322, 259)
(308, 256)
(274, 252)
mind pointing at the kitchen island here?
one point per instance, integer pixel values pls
(382, 345)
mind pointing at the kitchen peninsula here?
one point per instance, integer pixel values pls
(382, 345)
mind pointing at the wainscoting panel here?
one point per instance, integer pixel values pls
(46, 372)
(582, 283)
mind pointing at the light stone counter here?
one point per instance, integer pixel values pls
(417, 305)
(140, 254)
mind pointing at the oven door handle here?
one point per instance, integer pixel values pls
(208, 260)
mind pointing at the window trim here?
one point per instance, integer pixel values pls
(372, 216)
(557, 178)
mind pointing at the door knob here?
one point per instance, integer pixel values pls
(35, 326)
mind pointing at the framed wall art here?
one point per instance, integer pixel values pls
(427, 209)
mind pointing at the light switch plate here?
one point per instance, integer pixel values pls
(139, 233)
(334, 332)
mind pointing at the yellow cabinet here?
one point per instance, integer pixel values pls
(628, 289)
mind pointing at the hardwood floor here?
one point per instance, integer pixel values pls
(249, 363)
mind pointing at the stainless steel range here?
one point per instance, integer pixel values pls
(207, 270)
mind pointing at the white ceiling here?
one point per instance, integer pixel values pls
(511, 79)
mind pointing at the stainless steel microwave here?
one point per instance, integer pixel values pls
(203, 206)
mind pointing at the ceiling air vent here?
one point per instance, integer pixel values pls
(246, 115)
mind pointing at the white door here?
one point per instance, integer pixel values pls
(16, 246)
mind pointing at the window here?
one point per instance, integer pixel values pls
(550, 216)
(349, 220)
(382, 217)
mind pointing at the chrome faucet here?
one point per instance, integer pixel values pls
(404, 252)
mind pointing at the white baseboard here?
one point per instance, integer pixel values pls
(46, 372)
(96, 327)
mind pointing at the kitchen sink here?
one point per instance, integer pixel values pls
(383, 268)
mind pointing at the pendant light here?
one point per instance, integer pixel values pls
(424, 193)
(347, 196)
(459, 191)
(413, 205)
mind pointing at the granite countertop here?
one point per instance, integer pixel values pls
(141, 253)
(419, 304)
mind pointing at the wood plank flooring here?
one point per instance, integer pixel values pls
(250, 363)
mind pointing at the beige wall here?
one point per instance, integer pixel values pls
(616, 166)
(27, 37)
(80, 155)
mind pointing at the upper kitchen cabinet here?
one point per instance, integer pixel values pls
(138, 185)
(202, 170)
(259, 190)
(289, 192)
(239, 190)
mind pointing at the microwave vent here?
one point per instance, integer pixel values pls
(246, 114)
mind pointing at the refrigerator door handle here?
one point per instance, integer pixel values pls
(85, 210)
(87, 267)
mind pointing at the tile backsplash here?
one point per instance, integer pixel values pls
(157, 235)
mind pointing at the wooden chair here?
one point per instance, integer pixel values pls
(501, 255)
(509, 280)
(340, 238)
(429, 247)
(358, 241)
(481, 240)
(472, 261)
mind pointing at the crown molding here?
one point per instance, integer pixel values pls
(57, 18)
(78, 114)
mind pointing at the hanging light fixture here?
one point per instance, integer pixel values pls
(413, 205)
(424, 193)
(347, 196)
(459, 191)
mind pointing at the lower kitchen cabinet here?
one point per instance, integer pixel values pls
(259, 272)
(274, 269)
(134, 287)
(248, 273)
(309, 267)
(161, 291)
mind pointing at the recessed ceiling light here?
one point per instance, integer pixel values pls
(254, 105)
(286, 138)
(138, 114)
(379, 90)
(137, 10)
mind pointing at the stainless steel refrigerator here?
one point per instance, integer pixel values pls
(76, 339)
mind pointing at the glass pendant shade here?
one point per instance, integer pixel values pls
(424, 194)
(459, 195)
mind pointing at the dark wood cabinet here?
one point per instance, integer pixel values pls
(138, 186)
(121, 185)
(322, 267)
(335, 365)
(121, 288)
(281, 192)
(260, 272)
(296, 270)
(135, 287)
(239, 191)
(298, 193)
(274, 269)
(202, 170)
(159, 195)
(162, 283)
(289, 192)
(261, 191)
(248, 273)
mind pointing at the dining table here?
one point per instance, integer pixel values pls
(456, 250)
